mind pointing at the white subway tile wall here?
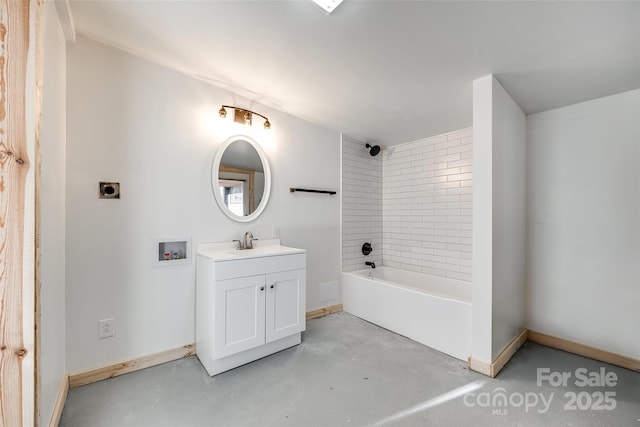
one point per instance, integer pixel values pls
(413, 202)
(361, 204)
(427, 205)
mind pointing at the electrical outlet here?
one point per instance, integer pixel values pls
(107, 328)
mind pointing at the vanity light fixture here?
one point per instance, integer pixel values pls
(242, 115)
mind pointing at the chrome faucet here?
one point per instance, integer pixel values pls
(371, 264)
(246, 242)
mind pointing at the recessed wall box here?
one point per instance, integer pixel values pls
(172, 250)
(109, 190)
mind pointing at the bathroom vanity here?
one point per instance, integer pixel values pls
(249, 303)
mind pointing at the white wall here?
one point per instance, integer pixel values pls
(509, 215)
(52, 205)
(361, 204)
(498, 219)
(155, 131)
(426, 205)
(583, 250)
(482, 251)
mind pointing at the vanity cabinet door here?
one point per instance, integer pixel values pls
(285, 305)
(239, 311)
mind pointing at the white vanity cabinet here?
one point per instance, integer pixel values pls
(248, 304)
(254, 310)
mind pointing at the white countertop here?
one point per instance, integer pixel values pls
(226, 251)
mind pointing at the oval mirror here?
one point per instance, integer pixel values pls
(241, 178)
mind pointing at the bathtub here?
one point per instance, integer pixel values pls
(432, 310)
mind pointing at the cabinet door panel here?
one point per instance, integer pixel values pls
(239, 315)
(285, 308)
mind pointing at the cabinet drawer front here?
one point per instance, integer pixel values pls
(254, 266)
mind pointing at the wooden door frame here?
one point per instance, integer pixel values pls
(252, 187)
(20, 83)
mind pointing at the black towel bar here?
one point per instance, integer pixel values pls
(306, 190)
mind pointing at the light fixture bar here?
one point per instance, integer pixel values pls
(242, 115)
(328, 5)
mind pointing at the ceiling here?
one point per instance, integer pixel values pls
(382, 71)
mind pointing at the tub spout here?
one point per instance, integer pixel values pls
(371, 264)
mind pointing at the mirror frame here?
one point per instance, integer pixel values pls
(215, 168)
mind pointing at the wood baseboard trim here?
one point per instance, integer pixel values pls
(116, 369)
(479, 366)
(584, 350)
(492, 369)
(314, 314)
(60, 401)
(507, 353)
(98, 374)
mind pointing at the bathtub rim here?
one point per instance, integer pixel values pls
(363, 275)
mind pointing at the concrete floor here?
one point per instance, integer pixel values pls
(348, 372)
